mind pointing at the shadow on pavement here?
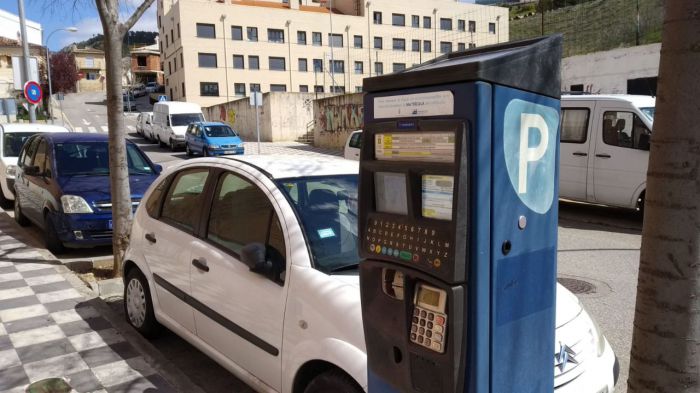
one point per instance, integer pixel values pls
(594, 217)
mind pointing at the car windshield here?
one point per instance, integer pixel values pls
(183, 119)
(327, 208)
(219, 131)
(92, 159)
(649, 112)
(12, 143)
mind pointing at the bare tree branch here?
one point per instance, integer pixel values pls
(136, 15)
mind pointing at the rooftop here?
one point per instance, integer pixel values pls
(291, 166)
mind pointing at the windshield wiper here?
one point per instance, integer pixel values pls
(343, 268)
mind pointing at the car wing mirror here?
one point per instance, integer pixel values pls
(253, 256)
(31, 170)
(264, 260)
(158, 168)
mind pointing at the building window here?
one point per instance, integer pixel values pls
(210, 89)
(303, 88)
(182, 62)
(472, 26)
(141, 61)
(338, 89)
(239, 89)
(398, 44)
(254, 87)
(178, 31)
(275, 35)
(357, 41)
(445, 24)
(377, 42)
(278, 88)
(427, 46)
(318, 65)
(398, 67)
(318, 89)
(461, 46)
(183, 89)
(301, 37)
(415, 45)
(378, 68)
(205, 30)
(335, 40)
(303, 65)
(253, 62)
(207, 60)
(398, 20)
(377, 18)
(92, 76)
(237, 33)
(472, 45)
(445, 47)
(166, 42)
(170, 68)
(426, 22)
(277, 64)
(175, 64)
(492, 28)
(172, 36)
(316, 39)
(252, 33)
(358, 89)
(337, 66)
(415, 21)
(238, 62)
(359, 67)
(461, 26)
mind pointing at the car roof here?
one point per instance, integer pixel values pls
(636, 100)
(177, 105)
(210, 123)
(282, 166)
(65, 137)
(31, 127)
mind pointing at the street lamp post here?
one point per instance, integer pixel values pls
(48, 65)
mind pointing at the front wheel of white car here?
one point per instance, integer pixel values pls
(138, 305)
(333, 380)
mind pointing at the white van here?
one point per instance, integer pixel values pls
(605, 148)
(170, 121)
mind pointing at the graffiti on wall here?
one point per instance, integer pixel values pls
(227, 117)
(336, 118)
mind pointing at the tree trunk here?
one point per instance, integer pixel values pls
(665, 353)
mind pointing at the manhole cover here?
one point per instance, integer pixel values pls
(50, 385)
(578, 287)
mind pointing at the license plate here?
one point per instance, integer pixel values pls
(229, 152)
(109, 224)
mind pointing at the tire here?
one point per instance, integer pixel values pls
(20, 218)
(4, 202)
(640, 204)
(51, 240)
(188, 152)
(333, 381)
(160, 143)
(205, 153)
(172, 145)
(138, 305)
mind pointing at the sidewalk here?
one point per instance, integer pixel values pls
(48, 328)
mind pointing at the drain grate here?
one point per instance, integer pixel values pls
(578, 287)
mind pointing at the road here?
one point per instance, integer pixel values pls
(598, 256)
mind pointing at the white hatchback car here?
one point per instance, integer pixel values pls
(229, 253)
(353, 145)
(12, 137)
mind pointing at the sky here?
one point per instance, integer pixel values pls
(61, 14)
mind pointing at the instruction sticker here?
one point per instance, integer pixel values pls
(326, 232)
(437, 196)
(437, 103)
(415, 146)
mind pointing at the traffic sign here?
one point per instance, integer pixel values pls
(32, 92)
(162, 98)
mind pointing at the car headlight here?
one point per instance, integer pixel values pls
(598, 337)
(214, 146)
(11, 171)
(75, 204)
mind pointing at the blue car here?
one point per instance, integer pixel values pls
(212, 139)
(63, 186)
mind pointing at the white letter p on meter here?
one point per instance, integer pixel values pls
(529, 154)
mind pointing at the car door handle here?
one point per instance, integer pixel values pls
(201, 264)
(580, 153)
(603, 155)
(150, 237)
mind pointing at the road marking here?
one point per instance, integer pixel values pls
(85, 122)
(131, 128)
(91, 129)
(104, 128)
(78, 129)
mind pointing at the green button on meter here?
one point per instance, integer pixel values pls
(405, 255)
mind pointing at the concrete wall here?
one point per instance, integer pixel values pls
(336, 118)
(608, 71)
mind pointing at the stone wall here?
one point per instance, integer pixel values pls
(336, 118)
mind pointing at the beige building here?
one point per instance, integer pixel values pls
(215, 50)
(91, 69)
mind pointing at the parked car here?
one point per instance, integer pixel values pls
(139, 90)
(151, 87)
(129, 101)
(238, 247)
(605, 148)
(212, 139)
(159, 91)
(353, 145)
(63, 187)
(12, 137)
(143, 123)
(170, 121)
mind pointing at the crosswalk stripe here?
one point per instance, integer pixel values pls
(131, 128)
(78, 129)
(104, 128)
(91, 129)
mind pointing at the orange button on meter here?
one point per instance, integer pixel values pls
(439, 320)
(437, 262)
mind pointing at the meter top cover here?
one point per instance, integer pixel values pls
(530, 65)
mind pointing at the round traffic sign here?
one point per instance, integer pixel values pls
(32, 92)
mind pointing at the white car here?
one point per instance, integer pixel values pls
(12, 137)
(353, 145)
(219, 255)
(143, 124)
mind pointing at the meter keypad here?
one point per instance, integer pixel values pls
(416, 244)
(426, 333)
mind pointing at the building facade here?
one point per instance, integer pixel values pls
(92, 70)
(146, 65)
(11, 54)
(215, 50)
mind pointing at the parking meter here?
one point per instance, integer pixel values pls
(458, 221)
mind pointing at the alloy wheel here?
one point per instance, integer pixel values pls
(136, 302)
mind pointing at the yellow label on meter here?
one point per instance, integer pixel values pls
(407, 146)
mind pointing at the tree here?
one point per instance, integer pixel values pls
(64, 73)
(665, 353)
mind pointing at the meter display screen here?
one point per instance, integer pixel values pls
(429, 297)
(415, 146)
(390, 192)
(437, 192)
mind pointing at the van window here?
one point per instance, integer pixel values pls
(625, 129)
(574, 125)
(183, 119)
(356, 140)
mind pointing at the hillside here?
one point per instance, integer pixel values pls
(134, 39)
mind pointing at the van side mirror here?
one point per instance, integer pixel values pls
(158, 168)
(644, 142)
(263, 260)
(31, 170)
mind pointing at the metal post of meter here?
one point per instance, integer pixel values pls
(25, 54)
(257, 119)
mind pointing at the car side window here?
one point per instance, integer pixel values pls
(625, 129)
(184, 199)
(356, 140)
(241, 214)
(574, 125)
(29, 152)
(153, 202)
(41, 157)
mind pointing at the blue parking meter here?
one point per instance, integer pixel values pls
(458, 221)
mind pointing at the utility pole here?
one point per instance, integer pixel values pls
(638, 32)
(330, 43)
(25, 54)
(369, 42)
(223, 33)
